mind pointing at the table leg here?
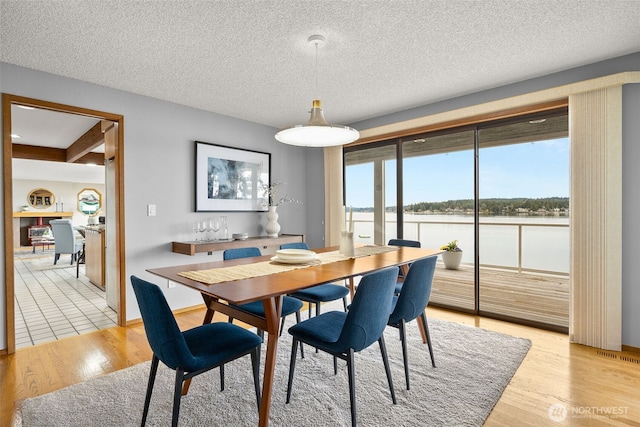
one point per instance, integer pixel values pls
(272, 312)
(208, 316)
(352, 288)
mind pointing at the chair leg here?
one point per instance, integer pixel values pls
(426, 330)
(56, 258)
(385, 360)
(405, 357)
(317, 314)
(335, 365)
(177, 395)
(352, 386)
(310, 310)
(152, 379)
(301, 345)
(255, 364)
(222, 377)
(344, 303)
(292, 367)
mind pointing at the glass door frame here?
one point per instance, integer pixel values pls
(561, 109)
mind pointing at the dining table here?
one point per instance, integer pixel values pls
(226, 284)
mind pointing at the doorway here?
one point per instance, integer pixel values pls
(110, 129)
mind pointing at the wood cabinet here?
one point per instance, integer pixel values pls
(94, 256)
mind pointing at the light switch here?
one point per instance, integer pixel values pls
(151, 210)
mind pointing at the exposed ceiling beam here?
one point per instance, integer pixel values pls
(90, 140)
(32, 152)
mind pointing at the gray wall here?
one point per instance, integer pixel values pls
(159, 155)
(630, 209)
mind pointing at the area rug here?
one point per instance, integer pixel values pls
(473, 368)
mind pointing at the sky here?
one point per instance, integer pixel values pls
(531, 170)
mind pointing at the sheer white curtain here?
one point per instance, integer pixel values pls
(595, 120)
(333, 205)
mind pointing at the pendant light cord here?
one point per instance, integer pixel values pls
(316, 97)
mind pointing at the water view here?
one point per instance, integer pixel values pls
(543, 240)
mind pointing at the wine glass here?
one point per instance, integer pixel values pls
(202, 228)
(195, 228)
(215, 226)
(209, 231)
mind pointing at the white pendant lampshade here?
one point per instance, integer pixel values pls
(317, 132)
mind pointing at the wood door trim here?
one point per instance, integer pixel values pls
(7, 101)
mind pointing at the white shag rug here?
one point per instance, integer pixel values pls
(473, 368)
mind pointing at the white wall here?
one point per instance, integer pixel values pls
(65, 191)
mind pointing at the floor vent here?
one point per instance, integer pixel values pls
(622, 357)
(607, 354)
(630, 359)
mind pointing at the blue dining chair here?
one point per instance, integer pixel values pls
(411, 304)
(343, 334)
(290, 305)
(191, 352)
(321, 293)
(407, 243)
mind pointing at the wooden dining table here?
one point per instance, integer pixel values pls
(271, 288)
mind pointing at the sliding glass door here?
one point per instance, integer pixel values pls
(499, 189)
(524, 244)
(371, 191)
(438, 200)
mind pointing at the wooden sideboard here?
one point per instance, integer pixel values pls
(266, 244)
(94, 250)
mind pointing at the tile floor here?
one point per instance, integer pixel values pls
(51, 303)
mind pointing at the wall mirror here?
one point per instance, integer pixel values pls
(41, 198)
(89, 201)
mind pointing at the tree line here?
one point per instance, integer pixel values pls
(487, 206)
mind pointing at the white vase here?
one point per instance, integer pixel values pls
(273, 228)
(452, 259)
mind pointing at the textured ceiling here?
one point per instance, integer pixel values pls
(250, 59)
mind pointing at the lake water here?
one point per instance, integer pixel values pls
(543, 241)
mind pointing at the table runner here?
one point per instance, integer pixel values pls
(265, 268)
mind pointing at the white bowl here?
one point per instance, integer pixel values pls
(240, 236)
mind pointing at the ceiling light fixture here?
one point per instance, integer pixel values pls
(317, 132)
(15, 135)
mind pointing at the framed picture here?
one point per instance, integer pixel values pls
(231, 179)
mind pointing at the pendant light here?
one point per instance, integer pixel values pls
(317, 132)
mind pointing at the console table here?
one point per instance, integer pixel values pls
(265, 243)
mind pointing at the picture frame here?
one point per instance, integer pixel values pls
(230, 179)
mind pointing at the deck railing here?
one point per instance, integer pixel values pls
(519, 246)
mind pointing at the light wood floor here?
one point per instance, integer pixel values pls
(582, 379)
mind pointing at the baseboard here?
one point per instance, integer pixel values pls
(631, 349)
